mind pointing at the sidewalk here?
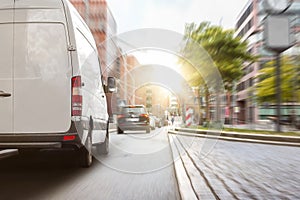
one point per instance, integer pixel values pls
(232, 170)
(194, 178)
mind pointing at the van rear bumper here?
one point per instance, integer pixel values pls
(38, 141)
(31, 145)
(42, 140)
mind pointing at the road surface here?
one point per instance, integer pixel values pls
(54, 175)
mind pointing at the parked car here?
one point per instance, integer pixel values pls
(165, 122)
(158, 122)
(133, 117)
(52, 95)
(152, 121)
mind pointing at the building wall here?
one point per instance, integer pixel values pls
(126, 81)
(103, 26)
(249, 27)
(157, 96)
(246, 26)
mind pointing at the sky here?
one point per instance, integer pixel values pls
(173, 14)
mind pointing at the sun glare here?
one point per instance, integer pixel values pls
(157, 56)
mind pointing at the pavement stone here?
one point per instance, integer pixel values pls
(267, 171)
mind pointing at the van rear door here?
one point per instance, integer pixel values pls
(6, 66)
(42, 69)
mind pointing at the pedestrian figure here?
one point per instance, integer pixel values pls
(172, 120)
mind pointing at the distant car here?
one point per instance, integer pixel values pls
(165, 122)
(152, 121)
(158, 122)
(133, 117)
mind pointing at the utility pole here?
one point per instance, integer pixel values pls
(278, 92)
(278, 37)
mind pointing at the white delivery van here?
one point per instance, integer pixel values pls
(51, 89)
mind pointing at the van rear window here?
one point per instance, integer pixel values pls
(40, 50)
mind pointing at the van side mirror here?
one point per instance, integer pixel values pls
(111, 85)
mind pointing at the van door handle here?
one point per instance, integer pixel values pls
(4, 94)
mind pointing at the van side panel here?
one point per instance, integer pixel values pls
(89, 65)
(42, 78)
(94, 99)
(6, 67)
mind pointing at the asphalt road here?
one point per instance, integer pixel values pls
(132, 170)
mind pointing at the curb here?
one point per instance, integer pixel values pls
(242, 137)
(184, 183)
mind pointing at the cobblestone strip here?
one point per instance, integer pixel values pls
(203, 186)
(184, 182)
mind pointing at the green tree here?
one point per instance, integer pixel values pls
(228, 52)
(266, 91)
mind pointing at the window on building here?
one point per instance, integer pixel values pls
(245, 15)
(251, 82)
(241, 86)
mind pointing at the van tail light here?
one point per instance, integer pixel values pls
(76, 96)
(69, 137)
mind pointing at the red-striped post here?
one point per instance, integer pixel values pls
(188, 116)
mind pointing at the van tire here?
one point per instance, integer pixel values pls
(103, 148)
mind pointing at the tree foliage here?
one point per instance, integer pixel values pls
(290, 91)
(227, 51)
(219, 47)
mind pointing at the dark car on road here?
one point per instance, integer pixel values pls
(133, 117)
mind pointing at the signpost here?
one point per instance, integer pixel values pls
(278, 37)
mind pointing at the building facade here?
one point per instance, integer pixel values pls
(249, 26)
(102, 24)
